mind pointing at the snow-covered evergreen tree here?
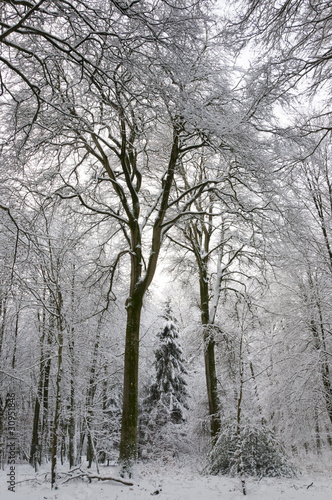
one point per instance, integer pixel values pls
(165, 401)
(169, 391)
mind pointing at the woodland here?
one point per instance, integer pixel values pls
(165, 233)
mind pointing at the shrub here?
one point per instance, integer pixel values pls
(261, 453)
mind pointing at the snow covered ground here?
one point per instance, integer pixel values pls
(172, 482)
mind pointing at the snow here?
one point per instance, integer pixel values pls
(175, 481)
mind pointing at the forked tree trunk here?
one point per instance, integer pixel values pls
(138, 287)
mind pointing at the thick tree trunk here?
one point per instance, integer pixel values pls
(209, 359)
(138, 287)
(211, 382)
(318, 333)
(128, 444)
(90, 445)
(326, 378)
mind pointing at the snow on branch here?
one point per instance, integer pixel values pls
(81, 473)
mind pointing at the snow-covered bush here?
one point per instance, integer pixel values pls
(256, 449)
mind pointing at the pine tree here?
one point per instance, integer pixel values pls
(169, 391)
(163, 408)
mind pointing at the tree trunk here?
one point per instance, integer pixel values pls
(56, 416)
(327, 386)
(211, 382)
(50, 327)
(58, 394)
(3, 406)
(317, 432)
(90, 396)
(15, 341)
(35, 452)
(71, 429)
(128, 444)
(89, 446)
(138, 287)
(71, 426)
(72, 421)
(320, 345)
(45, 445)
(80, 446)
(239, 451)
(209, 359)
(3, 314)
(35, 447)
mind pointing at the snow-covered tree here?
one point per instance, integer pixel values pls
(165, 402)
(169, 391)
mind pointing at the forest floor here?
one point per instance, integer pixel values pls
(172, 481)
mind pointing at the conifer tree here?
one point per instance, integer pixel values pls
(169, 391)
(163, 408)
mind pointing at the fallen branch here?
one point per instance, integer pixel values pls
(90, 476)
(27, 480)
(106, 478)
(37, 479)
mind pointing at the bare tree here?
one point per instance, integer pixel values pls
(290, 49)
(113, 138)
(224, 239)
(117, 150)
